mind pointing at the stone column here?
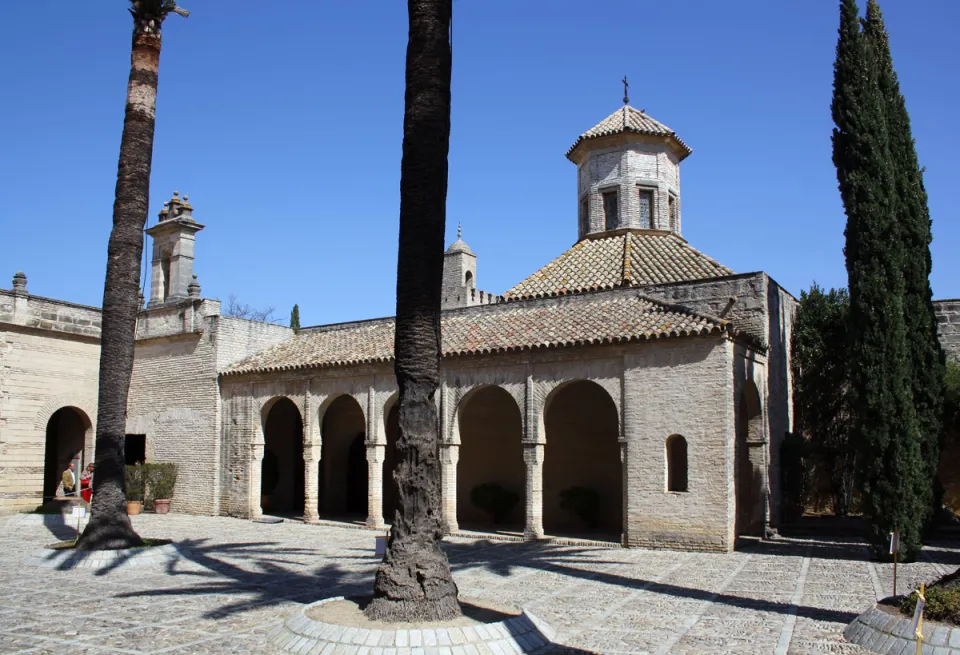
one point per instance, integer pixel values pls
(625, 486)
(311, 470)
(533, 458)
(449, 456)
(256, 463)
(375, 457)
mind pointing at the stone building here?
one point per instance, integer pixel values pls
(632, 370)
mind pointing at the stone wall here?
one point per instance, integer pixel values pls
(49, 359)
(948, 324)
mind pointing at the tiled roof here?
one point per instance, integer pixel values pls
(614, 317)
(628, 119)
(628, 258)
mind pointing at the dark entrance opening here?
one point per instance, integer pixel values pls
(66, 430)
(135, 449)
(282, 476)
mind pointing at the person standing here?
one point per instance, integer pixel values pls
(69, 481)
(86, 483)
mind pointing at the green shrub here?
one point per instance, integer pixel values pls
(582, 502)
(134, 479)
(494, 500)
(943, 604)
(161, 479)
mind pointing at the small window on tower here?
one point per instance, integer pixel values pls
(611, 210)
(468, 280)
(584, 216)
(672, 208)
(646, 208)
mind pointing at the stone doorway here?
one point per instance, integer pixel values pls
(282, 475)
(491, 453)
(749, 458)
(66, 435)
(343, 463)
(582, 462)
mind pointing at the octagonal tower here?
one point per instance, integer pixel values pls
(628, 174)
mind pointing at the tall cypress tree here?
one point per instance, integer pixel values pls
(913, 217)
(295, 319)
(886, 425)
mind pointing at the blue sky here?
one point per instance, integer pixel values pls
(282, 121)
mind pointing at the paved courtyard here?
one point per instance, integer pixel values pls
(238, 579)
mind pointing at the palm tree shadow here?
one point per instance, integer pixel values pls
(261, 574)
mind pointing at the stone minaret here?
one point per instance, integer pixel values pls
(628, 174)
(173, 241)
(460, 277)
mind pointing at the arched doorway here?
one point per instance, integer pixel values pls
(281, 478)
(65, 439)
(343, 462)
(391, 497)
(749, 462)
(490, 471)
(582, 473)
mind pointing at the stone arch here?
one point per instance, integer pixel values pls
(342, 483)
(391, 431)
(67, 432)
(581, 430)
(282, 466)
(749, 461)
(675, 451)
(544, 391)
(490, 430)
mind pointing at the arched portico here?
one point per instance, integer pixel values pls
(69, 438)
(582, 469)
(490, 453)
(749, 462)
(282, 463)
(343, 468)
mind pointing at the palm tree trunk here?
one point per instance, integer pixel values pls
(414, 582)
(109, 525)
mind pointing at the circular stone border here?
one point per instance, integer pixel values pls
(520, 634)
(126, 558)
(882, 632)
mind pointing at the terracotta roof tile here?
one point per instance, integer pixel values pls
(628, 258)
(614, 317)
(629, 120)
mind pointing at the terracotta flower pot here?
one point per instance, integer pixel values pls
(134, 507)
(161, 506)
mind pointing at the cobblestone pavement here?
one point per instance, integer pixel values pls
(242, 578)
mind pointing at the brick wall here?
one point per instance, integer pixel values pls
(680, 387)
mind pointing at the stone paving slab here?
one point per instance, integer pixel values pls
(234, 581)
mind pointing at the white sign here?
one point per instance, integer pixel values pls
(894, 542)
(381, 548)
(917, 613)
(79, 512)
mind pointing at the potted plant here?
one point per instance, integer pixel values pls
(583, 503)
(134, 482)
(494, 500)
(163, 479)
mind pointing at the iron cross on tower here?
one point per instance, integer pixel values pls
(626, 86)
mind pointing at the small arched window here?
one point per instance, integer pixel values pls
(165, 271)
(468, 280)
(676, 463)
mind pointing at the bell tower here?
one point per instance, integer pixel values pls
(173, 243)
(628, 173)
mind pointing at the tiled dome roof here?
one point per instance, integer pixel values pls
(629, 120)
